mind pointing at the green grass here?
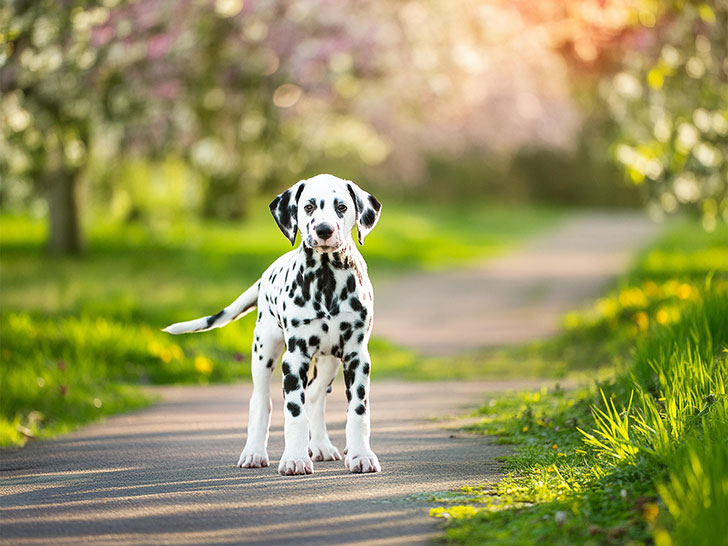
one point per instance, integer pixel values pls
(78, 335)
(641, 458)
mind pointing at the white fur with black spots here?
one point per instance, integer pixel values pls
(315, 305)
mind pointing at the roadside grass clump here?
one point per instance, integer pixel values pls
(641, 458)
(78, 336)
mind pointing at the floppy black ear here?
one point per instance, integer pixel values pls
(367, 210)
(285, 210)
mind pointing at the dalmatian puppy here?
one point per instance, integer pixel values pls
(315, 305)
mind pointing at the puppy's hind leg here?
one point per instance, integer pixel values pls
(267, 348)
(320, 447)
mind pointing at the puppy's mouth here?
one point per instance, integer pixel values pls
(320, 246)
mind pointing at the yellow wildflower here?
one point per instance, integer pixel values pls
(203, 365)
(643, 321)
(650, 511)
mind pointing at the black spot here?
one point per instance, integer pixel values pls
(345, 325)
(355, 304)
(365, 369)
(360, 338)
(320, 314)
(324, 327)
(299, 191)
(290, 383)
(314, 341)
(299, 301)
(358, 205)
(351, 283)
(361, 392)
(360, 410)
(270, 363)
(368, 218)
(303, 398)
(358, 324)
(348, 395)
(213, 319)
(294, 323)
(294, 409)
(375, 204)
(353, 364)
(284, 215)
(285, 368)
(306, 285)
(338, 263)
(348, 378)
(302, 346)
(316, 307)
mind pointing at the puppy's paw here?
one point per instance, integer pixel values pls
(362, 462)
(291, 466)
(253, 459)
(323, 451)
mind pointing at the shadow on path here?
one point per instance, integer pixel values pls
(167, 474)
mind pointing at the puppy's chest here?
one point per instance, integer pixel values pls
(325, 292)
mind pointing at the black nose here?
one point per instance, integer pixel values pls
(324, 231)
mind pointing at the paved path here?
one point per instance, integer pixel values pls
(516, 298)
(166, 475)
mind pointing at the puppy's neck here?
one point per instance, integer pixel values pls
(344, 257)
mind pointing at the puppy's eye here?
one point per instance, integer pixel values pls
(308, 208)
(341, 207)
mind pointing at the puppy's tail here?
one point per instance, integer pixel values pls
(245, 303)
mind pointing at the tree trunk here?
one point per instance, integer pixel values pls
(65, 224)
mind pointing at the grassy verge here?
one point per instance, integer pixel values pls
(78, 334)
(603, 334)
(641, 458)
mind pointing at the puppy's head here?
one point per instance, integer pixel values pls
(325, 208)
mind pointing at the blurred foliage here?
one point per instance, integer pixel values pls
(87, 82)
(214, 102)
(669, 101)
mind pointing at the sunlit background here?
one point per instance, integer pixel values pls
(154, 110)
(141, 141)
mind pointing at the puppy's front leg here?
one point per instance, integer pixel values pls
(295, 458)
(266, 351)
(320, 447)
(359, 454)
